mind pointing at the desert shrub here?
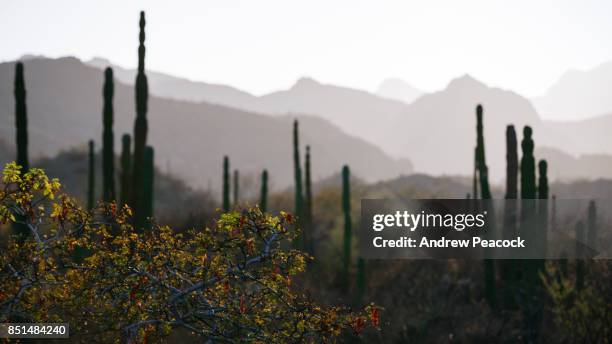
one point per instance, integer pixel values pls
(231, 282)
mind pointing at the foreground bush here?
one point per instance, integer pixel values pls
(228, 283)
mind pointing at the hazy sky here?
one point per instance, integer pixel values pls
(265, 45)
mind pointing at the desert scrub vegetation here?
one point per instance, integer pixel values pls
(231, 282)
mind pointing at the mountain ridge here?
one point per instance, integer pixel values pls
(65, 109)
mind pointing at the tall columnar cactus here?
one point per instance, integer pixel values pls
(511, 164)
(21, 123)
(126, 168)
(308, 230)
(21, 118)
(91, 180)
(140, 131)
(481, 166)
(108, 153)
(149, 184)
(475, 177)
(508, 267)
(236, 187)
(528, 195)
(226, 185)
(531, 315)
(348, 224)
(542, 180)
(542, 231)
(528, 179)
(263, 200)
(580, 268)
(298, 182)
(592, 226)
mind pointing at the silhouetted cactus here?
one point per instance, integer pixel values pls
(149, 184)
(542, 180)
(528, 179)
(21, 124)
(298, 241)
(542, 230)
(530, 281)
(91, 177)
(528, 187)
(108, 154)
(481, 166)
(528, 205)
(236, 187)
(263, 200)
(511, 164)
(348, 224)
(126, 168)
(475, 177)
(21, 118)
(592, 226)
(226, 185)
(307, 230)
(580, 255)
(140, 132)
(509, 270)
(528, 208)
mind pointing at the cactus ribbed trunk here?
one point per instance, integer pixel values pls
(263, 200)
(21, 123)
(108, 154)
(542, 232)
(348, 224)
(91, 176)
(226, 185)
(149, 185)
(308, 230)
(140, 132)
(528, 179)
(481, 165)
(530, 280)
(126, 168)
(236, 187)
(528, 204)
(511, 164)
(480, 156)
(21, 118)
(509, 272)
(299, 197)
(475, 177)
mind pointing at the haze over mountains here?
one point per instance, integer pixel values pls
(398, 89)
(435, 131)
(357, 112)
(64, 98)
(578, 95)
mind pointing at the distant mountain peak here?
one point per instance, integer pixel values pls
(578, 94)
(465, 81)
(398, 89)
(306, 82)
(99, 62)
(30, 57)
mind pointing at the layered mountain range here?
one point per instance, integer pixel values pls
(64, 98)
(193, 124)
